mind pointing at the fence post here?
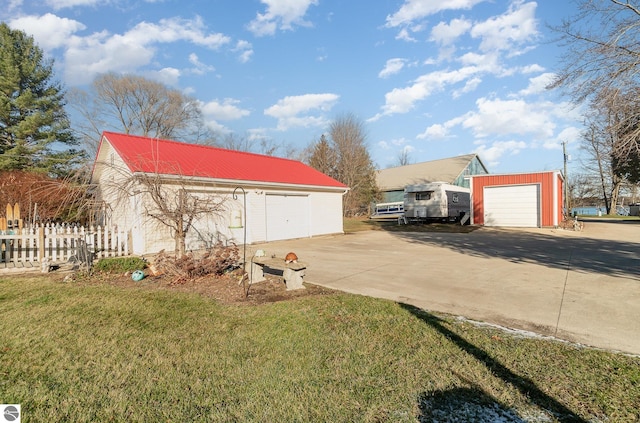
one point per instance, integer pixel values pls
(40, 243)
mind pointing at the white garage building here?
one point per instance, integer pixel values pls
(263, 198)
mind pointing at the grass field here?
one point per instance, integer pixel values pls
(84, 352)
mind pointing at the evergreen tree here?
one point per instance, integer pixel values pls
(35, 132)
(324, 158)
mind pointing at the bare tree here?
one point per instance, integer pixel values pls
(404, 157)
(176, 208)
(352, 163)
(174, 202)
(598, 143)
(264, 146)
(600, 67)
(583, 191)
(135, 105)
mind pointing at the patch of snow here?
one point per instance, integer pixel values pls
(454, 410)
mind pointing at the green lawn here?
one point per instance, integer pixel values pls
(81, 352)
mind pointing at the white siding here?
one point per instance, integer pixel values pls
(256, 216)
(326, 213)
(515, 206)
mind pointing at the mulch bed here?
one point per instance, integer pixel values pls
(226, 289)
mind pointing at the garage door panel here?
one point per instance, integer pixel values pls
(516, 206)
(287, 216)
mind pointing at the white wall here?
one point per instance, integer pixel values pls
(326, 213)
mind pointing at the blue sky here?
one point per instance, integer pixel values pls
(435, 78)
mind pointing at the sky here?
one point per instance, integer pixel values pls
(431, 78)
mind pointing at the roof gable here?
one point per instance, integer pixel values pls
(165, 157)
(443, 170)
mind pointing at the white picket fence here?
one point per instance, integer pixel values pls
(58, 243)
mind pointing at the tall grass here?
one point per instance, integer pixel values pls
(91, 353)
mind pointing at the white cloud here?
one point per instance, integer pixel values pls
(49, 31)
(280, 14)
(13, 5)
(62, 4)
(176, 29)
(245, 50)
(408, 148)
(401, 142)
(199, 67)
(384, 145)
(446, 34)
(413, 10)
(397, 142)
(402, 100)
(217, 127)
(505, 34)
(518, 25)
(538, 84)
(571, 135)
(505, 117)
(404, 35)
(489, 62)
(469, 86)
(392, 67)
(258, 134)
(103, 52)
(435, 131)
(491, 154)
(534, 68)
(226, 109)
(168, 76)
(293, 111)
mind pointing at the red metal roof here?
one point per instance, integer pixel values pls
(150, 155)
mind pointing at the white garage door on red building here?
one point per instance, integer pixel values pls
(518, 200)
(517, 206)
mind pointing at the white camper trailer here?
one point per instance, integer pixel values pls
(436, 201)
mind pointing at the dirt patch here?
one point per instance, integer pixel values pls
(227, 289)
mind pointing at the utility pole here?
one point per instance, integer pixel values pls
(566, 180)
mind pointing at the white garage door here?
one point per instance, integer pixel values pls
(516, 205)
(287, 217)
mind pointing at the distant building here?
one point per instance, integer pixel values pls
(454, 170)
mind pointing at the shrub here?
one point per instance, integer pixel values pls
(120, 264)
(215, 261)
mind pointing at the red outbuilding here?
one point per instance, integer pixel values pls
(518, 200)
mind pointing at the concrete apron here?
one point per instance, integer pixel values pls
(552, 282)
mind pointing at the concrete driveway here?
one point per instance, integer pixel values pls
(580, 286)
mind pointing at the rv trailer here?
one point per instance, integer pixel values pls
(436, 201)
